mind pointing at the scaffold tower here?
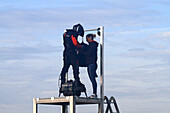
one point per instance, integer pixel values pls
(72, 101)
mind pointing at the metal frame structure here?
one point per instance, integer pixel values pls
(108, 102)
(102, 68)
(72, 100)
(64, 102)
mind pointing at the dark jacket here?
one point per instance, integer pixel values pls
(70, 42)
(91, 53)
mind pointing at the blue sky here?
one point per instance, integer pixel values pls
(137, 51)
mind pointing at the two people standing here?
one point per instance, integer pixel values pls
(70, 55)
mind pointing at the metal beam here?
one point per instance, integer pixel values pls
(35, 109)
(72, 104)
(90, 30)
(102, 68)
(64, 108)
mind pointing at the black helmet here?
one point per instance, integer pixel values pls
(79, 29)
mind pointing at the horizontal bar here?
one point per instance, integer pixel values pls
(66, 100)
(90, 29)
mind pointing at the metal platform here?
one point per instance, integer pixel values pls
(65, 101)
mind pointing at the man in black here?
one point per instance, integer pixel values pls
(71, 46)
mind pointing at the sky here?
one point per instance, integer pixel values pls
(136, 52)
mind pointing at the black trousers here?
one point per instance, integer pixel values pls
(70, 59)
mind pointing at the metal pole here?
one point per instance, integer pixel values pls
(35, 106)
(90, 29)
(64, 109)
(66, 77)
(102, 68)
(72, 104)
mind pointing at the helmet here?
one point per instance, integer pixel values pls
(79, 29)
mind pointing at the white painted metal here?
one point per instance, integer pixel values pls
(64, 102)
(35, 109)
(66, 77)
(102, 68)
(90, 30)
(72, 104)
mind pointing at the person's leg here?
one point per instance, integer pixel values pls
(65, 69)
(95, 70)
(92, 74)
(74, 63)
(76, 72)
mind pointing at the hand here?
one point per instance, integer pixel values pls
(83, 44)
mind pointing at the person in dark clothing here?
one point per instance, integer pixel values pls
(91, 60)
(71, 46)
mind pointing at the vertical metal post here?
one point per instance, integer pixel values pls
(64, 109)
(66, 77)
(72, 104)
(101, 68)
(35, 106)
(99, 108)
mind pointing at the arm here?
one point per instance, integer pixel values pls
(75, 42)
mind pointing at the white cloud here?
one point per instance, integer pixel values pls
(13, 83)
(165, 36)
(49, 92)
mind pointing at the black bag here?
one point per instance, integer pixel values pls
(70, 88)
